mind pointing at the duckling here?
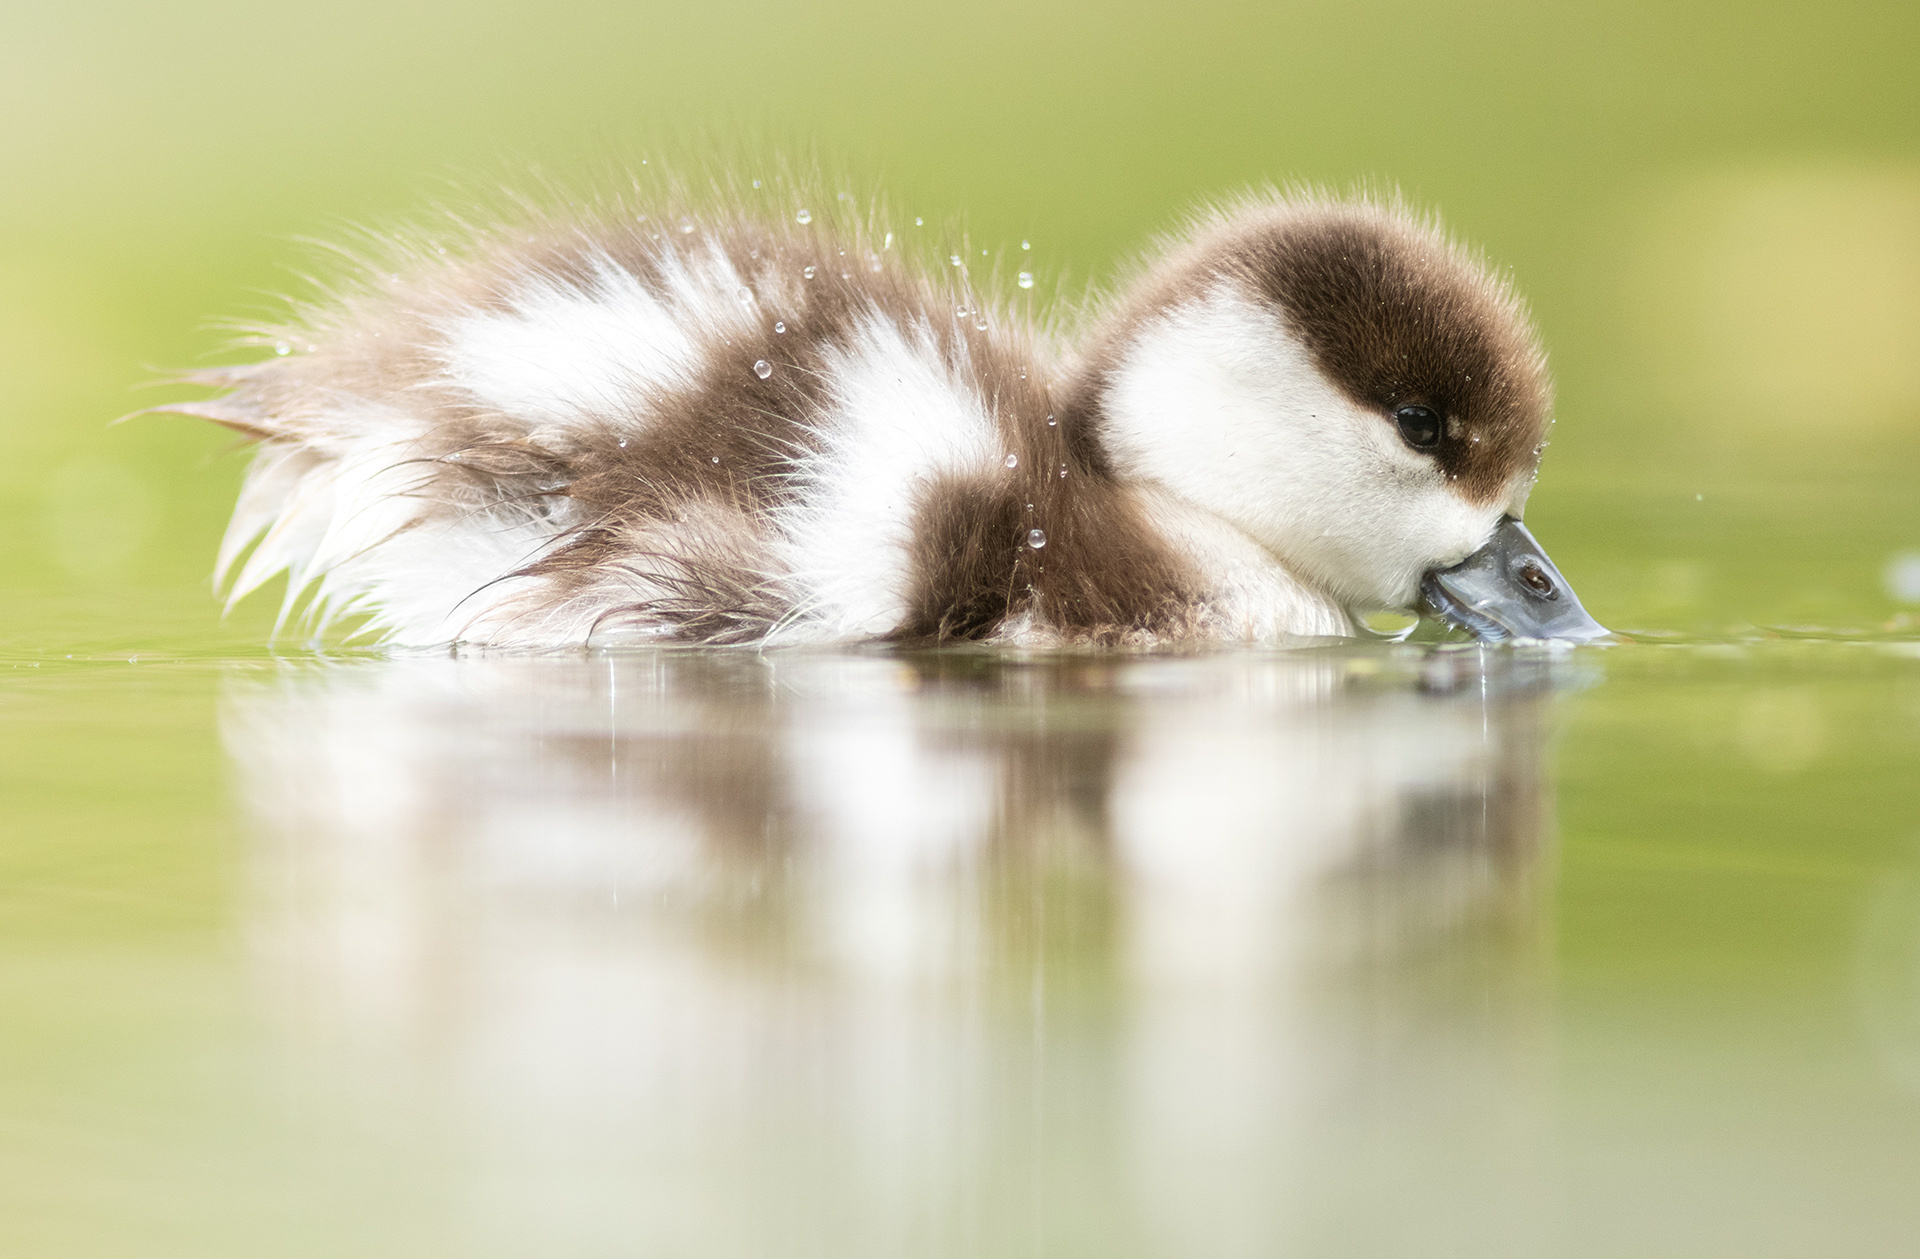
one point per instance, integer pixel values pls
(644, 422)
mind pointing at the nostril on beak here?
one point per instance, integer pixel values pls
(1535, 578)
(1509, 589)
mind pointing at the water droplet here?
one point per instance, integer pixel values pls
(756, 183)
(981, 324)
(889, 244)
(779, 326)
(1063, 472)
(716, 459)
(1026, 244)
(762, 369)
(960, 312)
(1013, 461)
(1051, 422)
(954, 259)
(809, 272)
(919, 222)
(1475, 437)
(983, 253)
(1026, 279)
(623, 443)
(281, 347)
(746, 294)
(1036, 538)
(874, 263)
(840, 196)
(805, 216)
(686, 227)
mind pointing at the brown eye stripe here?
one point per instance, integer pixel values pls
(1392, 311)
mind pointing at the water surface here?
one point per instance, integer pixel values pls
(1369, 951)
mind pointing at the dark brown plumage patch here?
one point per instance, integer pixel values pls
(1100, 574)
(968, 535)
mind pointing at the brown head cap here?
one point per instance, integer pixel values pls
(1396, 314)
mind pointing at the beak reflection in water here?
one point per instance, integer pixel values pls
(1509, 589)
(881, 955)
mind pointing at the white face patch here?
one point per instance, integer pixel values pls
(1220, 404)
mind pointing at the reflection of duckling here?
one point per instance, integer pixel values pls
(724, 428)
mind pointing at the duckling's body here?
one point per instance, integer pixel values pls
(649, 424)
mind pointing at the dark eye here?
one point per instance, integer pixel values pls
(1419, 425)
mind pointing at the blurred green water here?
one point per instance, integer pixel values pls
(1344, 953)
(1687, 1026)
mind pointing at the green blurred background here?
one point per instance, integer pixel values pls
(1715, 209)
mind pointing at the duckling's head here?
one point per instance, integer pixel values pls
(1356, 392)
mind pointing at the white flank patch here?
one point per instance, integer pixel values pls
(565, 352)
(898, 420)
(1219, 404)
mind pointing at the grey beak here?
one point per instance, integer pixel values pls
(1509, 589)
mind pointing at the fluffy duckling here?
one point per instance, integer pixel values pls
(651, 422)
